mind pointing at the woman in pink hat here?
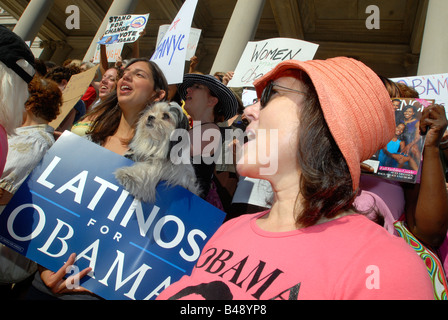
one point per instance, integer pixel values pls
(312, 243)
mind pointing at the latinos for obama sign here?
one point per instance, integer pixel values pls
(171, 51)
(71, 203)
(260, 57)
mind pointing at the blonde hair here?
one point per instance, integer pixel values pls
(13, 95)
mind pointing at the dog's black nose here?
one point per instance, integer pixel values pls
(150, 118)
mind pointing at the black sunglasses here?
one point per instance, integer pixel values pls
(268, 92)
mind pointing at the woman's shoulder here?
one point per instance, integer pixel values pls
(41, 135)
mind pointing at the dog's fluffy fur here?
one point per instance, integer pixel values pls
(150, 149)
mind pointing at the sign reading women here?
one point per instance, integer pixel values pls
(260, 57)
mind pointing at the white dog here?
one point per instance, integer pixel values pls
(150, 149)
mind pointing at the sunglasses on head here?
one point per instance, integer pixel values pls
(268, 91)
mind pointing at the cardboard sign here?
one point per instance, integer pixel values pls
(260, 57)
(71, 203)
(73, 92)
(193, 39)
(124, 28)
(170, 54)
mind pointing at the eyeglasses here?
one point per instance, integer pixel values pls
(268, 91)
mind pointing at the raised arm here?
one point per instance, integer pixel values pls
(104, 64)
(427, 203)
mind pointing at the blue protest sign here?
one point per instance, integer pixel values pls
(71, 203)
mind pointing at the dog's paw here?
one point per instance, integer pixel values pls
(136, 186)
(127, 180)
(148, 196)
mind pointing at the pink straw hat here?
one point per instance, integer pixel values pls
(355, 104)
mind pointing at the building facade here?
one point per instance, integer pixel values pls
(395, 37)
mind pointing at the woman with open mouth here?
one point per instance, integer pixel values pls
(325, 118)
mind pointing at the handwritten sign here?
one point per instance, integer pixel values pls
(170, 54)
(429, 87)
(113, 52)
(260, 57)
(124, 28)
(73, 92)
(69, 205)
(193, 40)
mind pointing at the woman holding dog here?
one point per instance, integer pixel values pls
(113, 128)
(208, 102)
(142, 84)
(312, 243)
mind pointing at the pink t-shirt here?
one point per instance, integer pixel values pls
(347, 258)
(3, 148)
(388, 198)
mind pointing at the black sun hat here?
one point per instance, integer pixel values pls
(225, 96)
(13, 49)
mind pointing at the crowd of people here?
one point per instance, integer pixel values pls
(310, 230)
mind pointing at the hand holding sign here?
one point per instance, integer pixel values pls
(56, 281)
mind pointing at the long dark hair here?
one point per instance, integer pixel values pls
(326, 187)
(107, 115)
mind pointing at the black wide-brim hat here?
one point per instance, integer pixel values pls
(225, 96)
(13, 49)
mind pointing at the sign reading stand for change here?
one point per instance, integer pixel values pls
(124, 28)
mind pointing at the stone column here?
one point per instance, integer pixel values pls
(433, 57)
(32, 19)
(118, 7)
(48, 47)
(241, 29)
(61, 52)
